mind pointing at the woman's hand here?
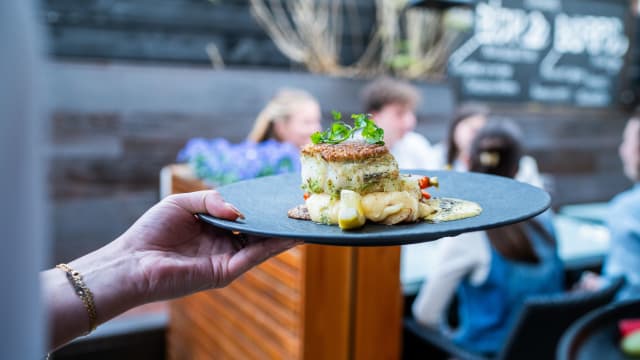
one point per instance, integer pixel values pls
(167, 253)
(177, 254)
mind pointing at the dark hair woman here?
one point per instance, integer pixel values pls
(494, 271)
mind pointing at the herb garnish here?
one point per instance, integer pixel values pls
(340, 131)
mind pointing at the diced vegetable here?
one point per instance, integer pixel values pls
(631, 343)
(423, 182)
(350, 213)
(627, 326)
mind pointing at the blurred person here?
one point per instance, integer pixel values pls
(623, 217)
(492, 271)
(291, 116)
(166, 253)
(467, 121)
(392, 104)
(463, 128)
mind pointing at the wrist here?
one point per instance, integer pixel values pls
(109, 273)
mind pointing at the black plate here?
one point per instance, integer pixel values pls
(596, 336)
(265, 202)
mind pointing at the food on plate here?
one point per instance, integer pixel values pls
(349, 176)
(630, 332)
(630, 344)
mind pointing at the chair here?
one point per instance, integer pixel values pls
(596, 335)
(537, 329)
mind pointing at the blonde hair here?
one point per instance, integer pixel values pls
(280, 108)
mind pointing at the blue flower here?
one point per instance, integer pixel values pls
(218, 162)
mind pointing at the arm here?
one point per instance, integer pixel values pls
(457, 258)
(167, 253)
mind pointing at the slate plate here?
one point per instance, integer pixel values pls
(265, 202)
(596, 336)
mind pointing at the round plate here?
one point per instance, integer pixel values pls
(596, 336)
(265, 202)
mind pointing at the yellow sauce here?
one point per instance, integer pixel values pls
(393, 208)
(449, 209)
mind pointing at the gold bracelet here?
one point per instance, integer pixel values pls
(83, 291)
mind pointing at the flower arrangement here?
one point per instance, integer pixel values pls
(218, 162)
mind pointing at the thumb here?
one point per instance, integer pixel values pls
(208, 202)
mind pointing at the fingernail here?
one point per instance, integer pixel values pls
(235, 210)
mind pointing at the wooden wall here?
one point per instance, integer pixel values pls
(115, 125)
(177, 31)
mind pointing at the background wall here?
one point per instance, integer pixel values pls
(169, 30)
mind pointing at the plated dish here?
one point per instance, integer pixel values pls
(350, 178)
(351, 192)
(265, 202)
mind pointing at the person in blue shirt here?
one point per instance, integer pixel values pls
(623, 219)
(492, 271)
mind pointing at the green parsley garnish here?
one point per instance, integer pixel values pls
(340, 131)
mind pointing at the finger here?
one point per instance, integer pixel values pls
(207, 201)
(257, 251)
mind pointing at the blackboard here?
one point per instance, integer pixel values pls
(550, 51)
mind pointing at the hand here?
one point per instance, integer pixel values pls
(589, 281)
(167, 253)
(178, 254)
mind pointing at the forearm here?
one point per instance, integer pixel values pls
(109, 277)
(432, 300)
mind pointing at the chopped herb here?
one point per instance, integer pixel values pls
(339, 131)
(313, 186)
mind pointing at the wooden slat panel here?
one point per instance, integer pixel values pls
(284, 262)
(291, 257)
(240, 332)
(285, 295)
(378, 314)
(260, 300)
(192, 334)
(214, 322)
(280, 271)
(249, 304)
(253, 322)
(326, 302)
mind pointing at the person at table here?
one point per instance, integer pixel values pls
(493, 271)
(467, 121)
(291, 116)
(623, 217)
(392, 103)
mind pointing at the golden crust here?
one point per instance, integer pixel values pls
(349, 151)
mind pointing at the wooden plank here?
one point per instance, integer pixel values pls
(285, 295)
(378, 295)
(292, 257)
(280, 271)
(223, 17)
(205, 326)
(185, 335)
(259, 305)
(223, 306)
(326, 302)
